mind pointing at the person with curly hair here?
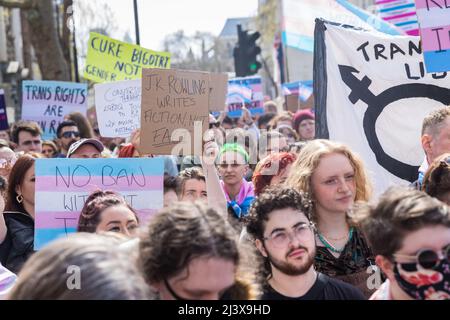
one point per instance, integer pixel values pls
(278, 225)
(335, 178)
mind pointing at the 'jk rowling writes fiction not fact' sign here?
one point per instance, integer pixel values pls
(174, 111)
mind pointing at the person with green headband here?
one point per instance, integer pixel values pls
(232, 166)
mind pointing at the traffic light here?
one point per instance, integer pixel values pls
(245, 53)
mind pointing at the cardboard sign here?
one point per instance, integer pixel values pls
(118, 106)
(245, 91)
(401, 13)
(174, 103)
(292, 103)
(111, 60)
(63, 185)
(218, 91)
(3, 116)
(47, 102)
(434, 21)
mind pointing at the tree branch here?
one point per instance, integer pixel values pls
(21, 4)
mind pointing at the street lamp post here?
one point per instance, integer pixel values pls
(136, 22)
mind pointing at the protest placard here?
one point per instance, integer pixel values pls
(174, 111)
(3, 115)
(292, 102)
(245, 91)
(218, 83)
(401, 13)
(111, 60)
(47, 102)
(63, 185)
(118, 107)
(434, 21)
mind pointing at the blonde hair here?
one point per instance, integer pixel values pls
(308, 160)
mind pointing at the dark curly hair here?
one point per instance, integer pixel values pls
(274, 198)
(264, 172)
(95, 204)
(436, 182)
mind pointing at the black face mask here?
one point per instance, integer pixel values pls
(425, 284)
(225, 296)
(172, 292)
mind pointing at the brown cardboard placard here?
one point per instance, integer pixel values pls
(174, 103)
(218, 83)
(292, 103)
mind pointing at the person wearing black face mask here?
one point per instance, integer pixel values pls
(409, 233)
(190, 252)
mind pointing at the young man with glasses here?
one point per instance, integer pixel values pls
(409, 233)
(27, 136)
(284, 237)
(67, 134)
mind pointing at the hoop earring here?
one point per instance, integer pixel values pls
(19, 198)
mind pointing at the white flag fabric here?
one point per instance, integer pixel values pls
(372, 93)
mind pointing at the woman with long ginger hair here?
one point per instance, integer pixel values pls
(335, 178)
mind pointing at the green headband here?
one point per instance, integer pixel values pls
(235, 148)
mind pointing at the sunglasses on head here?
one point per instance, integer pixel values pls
(69, 134)
(426, 258)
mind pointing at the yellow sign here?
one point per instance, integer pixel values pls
(111, 60)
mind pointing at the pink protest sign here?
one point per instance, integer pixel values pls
(401, 13)
(434, 22)
(63, 185)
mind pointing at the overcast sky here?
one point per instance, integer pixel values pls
(157, 18)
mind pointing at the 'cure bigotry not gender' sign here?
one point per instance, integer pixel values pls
(47, 102)
(110, 60)
(118, 107)
(63, 185)
(174, 111)
(434, 21)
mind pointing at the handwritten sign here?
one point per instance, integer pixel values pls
(245, 91)
(401, 13)
(434, 21)
(174, 112)
(3, 116)
(118, 106)
(63, 185)
(47, 102)
(111, 60)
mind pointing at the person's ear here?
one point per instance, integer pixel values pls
(260, 246)
(426, 140)
(386, 265)
(18, 190)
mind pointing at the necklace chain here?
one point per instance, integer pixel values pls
(327, 244)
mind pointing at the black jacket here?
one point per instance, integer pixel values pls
(19, 241)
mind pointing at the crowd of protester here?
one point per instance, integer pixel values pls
(268, 212)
